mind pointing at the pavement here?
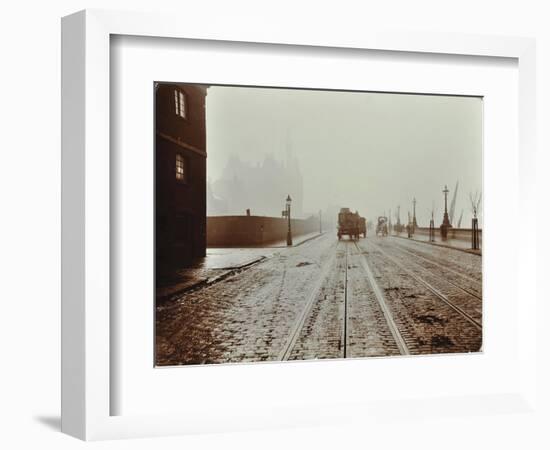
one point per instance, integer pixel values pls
(220, 263)
(456, 244)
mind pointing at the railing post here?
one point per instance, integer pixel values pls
(475, 234)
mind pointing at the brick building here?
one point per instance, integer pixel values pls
(180, 174)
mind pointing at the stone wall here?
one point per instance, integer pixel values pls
(251, 231)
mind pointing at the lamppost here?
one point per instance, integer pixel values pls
(414, 224)
(432, 228)
(475, 200)
(289, 232)
(320, 222)
(446, 222)
(398, 226)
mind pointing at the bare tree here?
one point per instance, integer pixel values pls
(433, 211)
(475, 201)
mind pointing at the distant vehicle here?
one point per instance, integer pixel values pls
(363, 226)
(382, 226)
(351, 224)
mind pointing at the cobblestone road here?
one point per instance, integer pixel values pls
(317, 301)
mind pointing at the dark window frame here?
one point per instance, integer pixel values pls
(180, 97)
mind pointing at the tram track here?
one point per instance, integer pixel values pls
(399, 340)
(294, 334)
(463, 270)
(374, 302)
(345, 338)
(465, 290)
(348, 299)
(435, 263)
(441, 296)
(348, 313)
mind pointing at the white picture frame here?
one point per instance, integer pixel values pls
(87, 385)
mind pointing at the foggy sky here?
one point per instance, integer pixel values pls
(366, 151)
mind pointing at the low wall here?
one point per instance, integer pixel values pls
(463, 234)
(250, 231)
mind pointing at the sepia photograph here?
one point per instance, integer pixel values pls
(304, 224)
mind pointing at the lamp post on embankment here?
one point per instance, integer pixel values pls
(289, 231)
(414, 223)
(446, 222)
(432, 228)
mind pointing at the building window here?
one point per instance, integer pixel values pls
(179, 101)
(180, 168)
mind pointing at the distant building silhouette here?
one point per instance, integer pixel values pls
(262, 187)
(215, 205)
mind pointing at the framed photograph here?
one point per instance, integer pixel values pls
(257, 256)
(268, 231)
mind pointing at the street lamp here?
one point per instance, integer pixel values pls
(414, 224)
(432, 227)
(446, 222)
(289, 232)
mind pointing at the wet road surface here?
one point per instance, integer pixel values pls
(330, 299)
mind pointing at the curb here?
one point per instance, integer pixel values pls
(300, 243)
(310, 239)
(228, 271)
